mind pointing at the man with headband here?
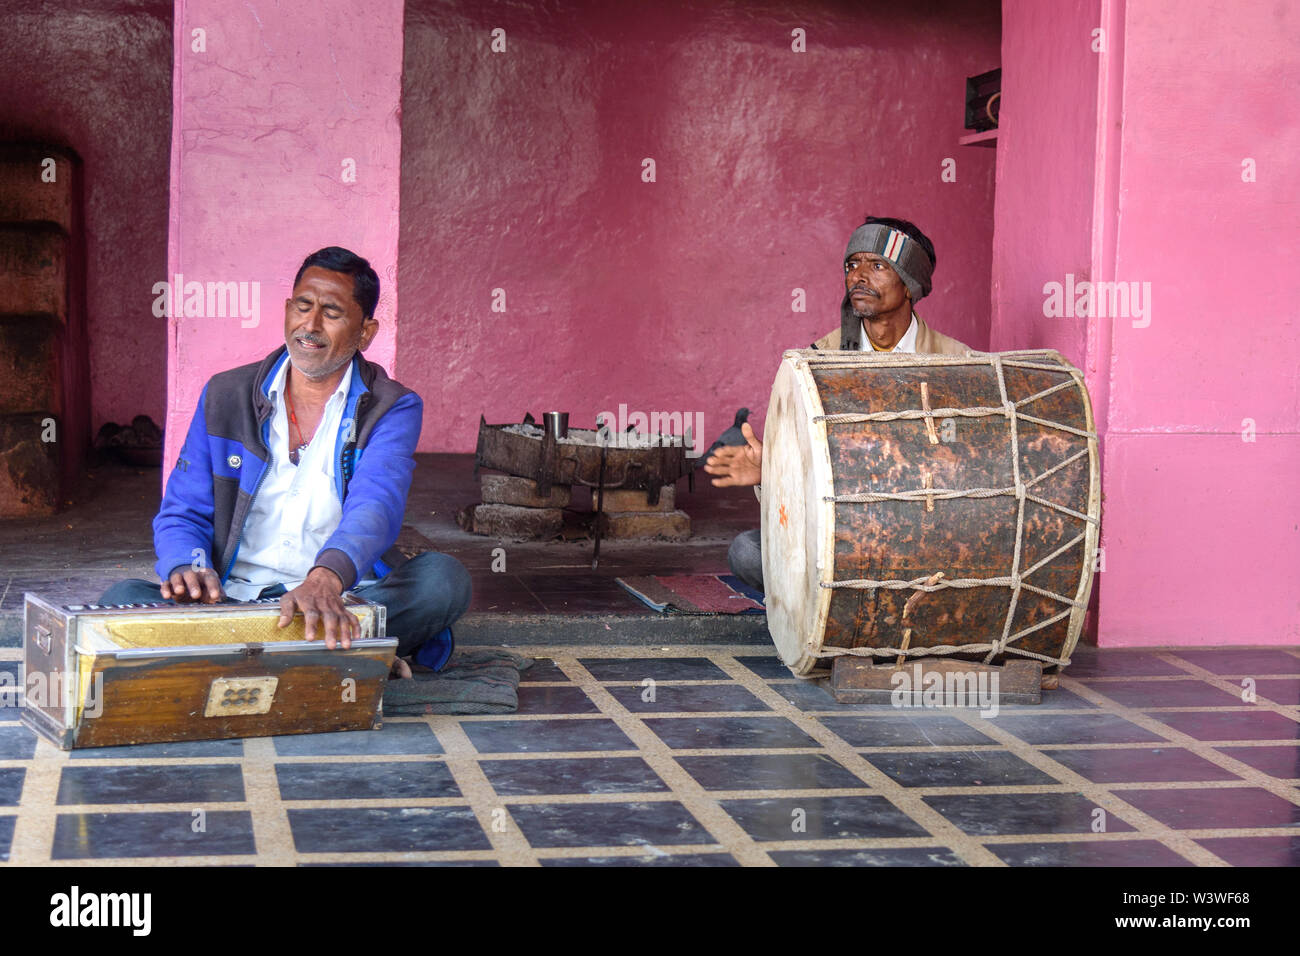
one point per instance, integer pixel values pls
(887, 269)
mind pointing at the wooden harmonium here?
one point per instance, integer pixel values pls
(99, 676)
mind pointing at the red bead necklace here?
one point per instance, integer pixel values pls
(295, 452)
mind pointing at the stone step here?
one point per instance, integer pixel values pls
(29, 465)
(33, 271)
(672, 525)
(619, 500)
(513, 523)
(522, 492)
(26, 196)
(29, 365)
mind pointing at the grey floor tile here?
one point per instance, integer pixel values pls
(394, 738)
(690, 698)
(393, 780)
(980, 768)
(566, 775)
(1140, 765)
(769, 668)
(1047, 729)
(1145, 694)
(1237, 807)
(822, 818)
(1119, 663)
(657, 823)
(1233, 725)
(1256, 851)
(655, 668)
(554, 700)
(1242, 662)
(1127, 853)
(658, 859)
(708, 733)
(805, 771)
(1282, 762)
(178, 748)
(990, 814)
(387, 829)
(901, 729)
(542, 670)
(16, 742)
(545, 736)
(133, 835)
(197, 785)
(407, 863)
(11, 785)
(904, 856)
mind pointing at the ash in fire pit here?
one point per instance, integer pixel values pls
(594, 438)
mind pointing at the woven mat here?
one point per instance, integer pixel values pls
(473, 682)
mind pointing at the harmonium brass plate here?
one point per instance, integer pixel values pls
(103, 676)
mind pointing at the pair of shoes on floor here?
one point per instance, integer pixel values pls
(429, 658)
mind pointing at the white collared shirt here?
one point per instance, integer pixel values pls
(906, 344)
(296, 508)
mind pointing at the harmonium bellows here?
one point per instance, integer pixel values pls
(100, 676)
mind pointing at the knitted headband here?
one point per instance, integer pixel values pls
(908, 258)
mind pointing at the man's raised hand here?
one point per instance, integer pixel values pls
(320, 601)
(192, 586)
(737, 464)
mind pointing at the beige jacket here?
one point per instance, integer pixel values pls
(928, 341)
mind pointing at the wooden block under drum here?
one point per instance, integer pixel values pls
(517, 524)
(620, 501)
(522, 492)
(674, 525)
(860, 680)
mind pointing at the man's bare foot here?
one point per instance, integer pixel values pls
(399, 669)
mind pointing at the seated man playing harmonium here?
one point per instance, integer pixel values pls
(292, 482)
(887, 268)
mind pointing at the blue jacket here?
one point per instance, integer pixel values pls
(225, 456)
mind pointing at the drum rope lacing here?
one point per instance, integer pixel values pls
(1019, 489)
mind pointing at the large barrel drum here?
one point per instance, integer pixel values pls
(920, 505)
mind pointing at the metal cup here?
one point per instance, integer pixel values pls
(557, 423)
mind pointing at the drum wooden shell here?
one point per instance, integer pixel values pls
(970, 530)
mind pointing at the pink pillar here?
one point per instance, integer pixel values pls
(285, 138)
(1202, 512)
(1191, 208)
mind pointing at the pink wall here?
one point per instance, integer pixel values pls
(1202, 529)
(263, 122)
(1046, 146)
(522, 171)
(116, 116)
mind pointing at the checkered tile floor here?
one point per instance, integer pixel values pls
(710, 756)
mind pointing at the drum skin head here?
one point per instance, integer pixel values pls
(798, 526)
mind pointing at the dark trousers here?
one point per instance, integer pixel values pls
(746, 558)
(423, 597)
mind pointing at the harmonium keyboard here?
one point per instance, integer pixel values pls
(100, 676)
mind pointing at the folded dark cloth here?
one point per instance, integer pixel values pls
(473, 682)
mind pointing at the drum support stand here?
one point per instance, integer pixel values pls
(936, 681)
